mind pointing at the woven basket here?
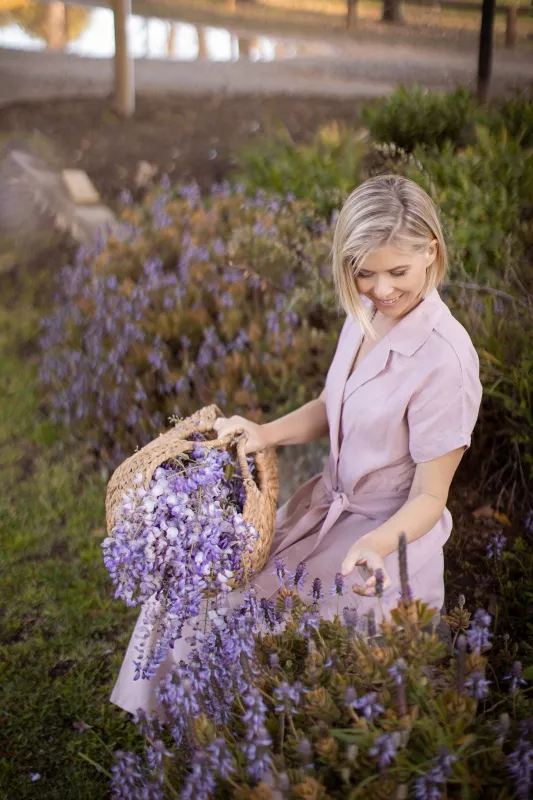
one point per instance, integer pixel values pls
(261, 501)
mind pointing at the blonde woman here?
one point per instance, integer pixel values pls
(400, 401)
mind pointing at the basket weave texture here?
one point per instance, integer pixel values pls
(261, 498)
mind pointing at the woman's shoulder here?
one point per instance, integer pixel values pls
(451, 335)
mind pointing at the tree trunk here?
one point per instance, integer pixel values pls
(392, 11)
(486, 38)
(351, 14)
(244, 48)
(510, 30)
(124, 74)
(203, 50)
(171, 40)
(55, 26)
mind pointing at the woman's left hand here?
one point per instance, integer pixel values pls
(361, 555)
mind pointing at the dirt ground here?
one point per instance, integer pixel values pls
(184, 136)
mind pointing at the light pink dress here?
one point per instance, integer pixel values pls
(414, 397)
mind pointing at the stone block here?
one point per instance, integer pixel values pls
(80, 187)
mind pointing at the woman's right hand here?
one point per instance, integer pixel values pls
(257, 439)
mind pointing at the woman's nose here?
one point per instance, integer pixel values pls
(382, 288)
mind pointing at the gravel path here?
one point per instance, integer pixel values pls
(362, 70)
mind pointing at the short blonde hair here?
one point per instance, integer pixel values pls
(385, 210)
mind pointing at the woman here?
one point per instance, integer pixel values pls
(400, 402)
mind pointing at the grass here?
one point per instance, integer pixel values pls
(62, 636)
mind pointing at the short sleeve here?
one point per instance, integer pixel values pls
(442, 413)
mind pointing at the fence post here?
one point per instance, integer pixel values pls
(351, 14)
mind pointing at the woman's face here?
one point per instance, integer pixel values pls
(394, 279)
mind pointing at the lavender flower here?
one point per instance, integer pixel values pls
(338, 587)
(477, 685)
(288, 697)
(316, 591)
(369, 706)
(496, 545)
(384, 749)
(128, 781)
(478, 634)
(258, 741)
(222, 761)
(280, 570)
(398, 670)
(515, 677)
(380, 578)
(305, 749)
(300, 575)
(520, 762)
(431, 785)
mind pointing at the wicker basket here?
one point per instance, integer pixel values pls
(260, 504)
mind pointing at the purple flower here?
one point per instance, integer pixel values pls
(398, 670)
(300, 575)
(280, 570)
(528, 522)
(478, 634)
(338, 585)
(496, 544)
(520, 762)
(380, 577)
(431, 785)
(288, 697)
(515, 677)
(369, 706)
(477, 685)
(384, 749)
(316, 591)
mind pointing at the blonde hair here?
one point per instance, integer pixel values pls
(385, 210)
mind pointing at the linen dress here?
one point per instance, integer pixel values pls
(414, 397)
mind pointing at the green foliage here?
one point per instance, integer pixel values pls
(516, 114)
(415, 116)
(484, 193)
(62, 636)
(323, 172)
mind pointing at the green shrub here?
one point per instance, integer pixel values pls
(226, 300)
(322, 172)
(515, 114)
(485, 195)
(415, 116)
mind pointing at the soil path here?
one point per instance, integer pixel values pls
(360, 69)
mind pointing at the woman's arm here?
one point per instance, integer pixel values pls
(422, 510)
(304, 425)
(424, 507)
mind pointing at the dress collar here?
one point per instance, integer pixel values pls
(413, 330)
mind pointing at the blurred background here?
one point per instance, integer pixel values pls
(170, 175)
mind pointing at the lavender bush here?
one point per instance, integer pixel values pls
(195, 300)
(174, 542)
(277, 702)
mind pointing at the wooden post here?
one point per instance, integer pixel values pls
(486, 37)
(510, 29)
(124, 73)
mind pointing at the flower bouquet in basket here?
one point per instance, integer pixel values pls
(188, 516)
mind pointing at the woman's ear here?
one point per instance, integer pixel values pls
(431, 253)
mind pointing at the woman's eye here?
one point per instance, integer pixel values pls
(399, 274)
